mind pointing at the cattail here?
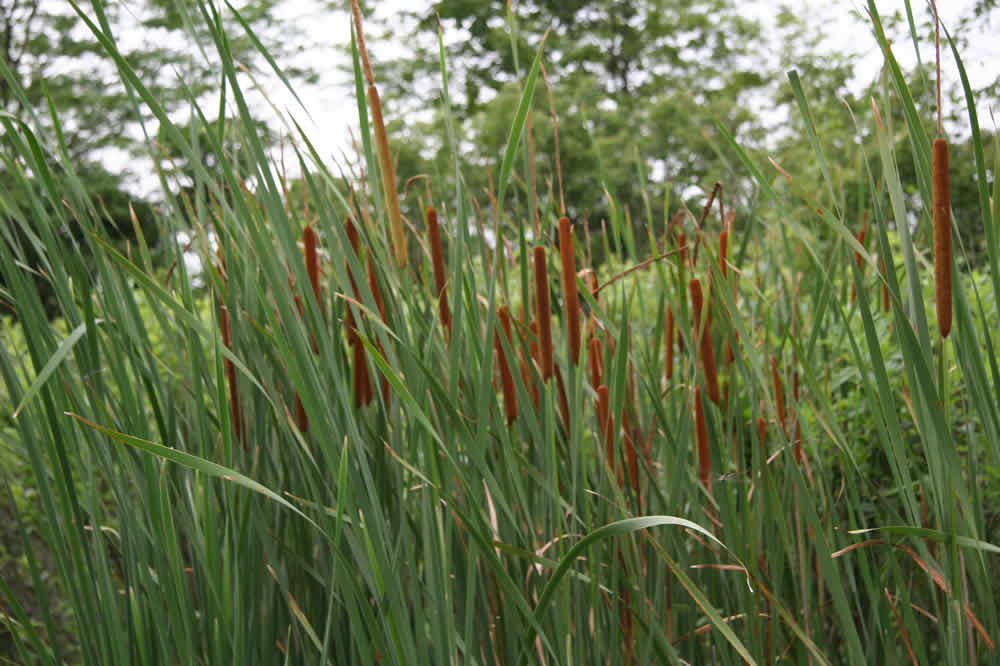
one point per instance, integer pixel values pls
(352, 237)
(706, 351)
(701, 429)
(506, 379)
(362, 382)
(596, 363)
(605, 420)
(858, 261)
(310, 241)
(669, 340)
(437, 259)
(724, 252)
(234, 395)
(572, 298)
(388, 178)
(941, 196)
(544, 312)
(682, 250)
(779, 394)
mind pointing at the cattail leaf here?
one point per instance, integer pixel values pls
(196, 463)
(514, 139)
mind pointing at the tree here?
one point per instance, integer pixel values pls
(636, 86)
(56, 79)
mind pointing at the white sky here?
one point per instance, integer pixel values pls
(334, 109)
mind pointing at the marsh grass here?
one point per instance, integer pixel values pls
(190, 516)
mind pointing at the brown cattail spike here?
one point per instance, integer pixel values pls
(437, 259)
(506, 378)
(705, 350)
(941, 193)
(544, 312)
(724, 253)
(596, 363)
(236, 413)
(310, 241)
(701, 431)
(572, 298)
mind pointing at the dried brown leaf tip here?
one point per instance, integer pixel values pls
(941, 199)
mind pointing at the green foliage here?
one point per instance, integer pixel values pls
(212, 483)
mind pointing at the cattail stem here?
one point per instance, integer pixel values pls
(941, 196)
(506, 379)
(544, 312)
(437, 260)
(705, 348)
(701, 431)
(570, 295)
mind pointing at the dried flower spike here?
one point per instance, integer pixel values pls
(941, 197)
(705, 350)
(572, 298)
(544, 312)
(437, 259)
(506, 378)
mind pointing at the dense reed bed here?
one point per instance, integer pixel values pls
(341, 442)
